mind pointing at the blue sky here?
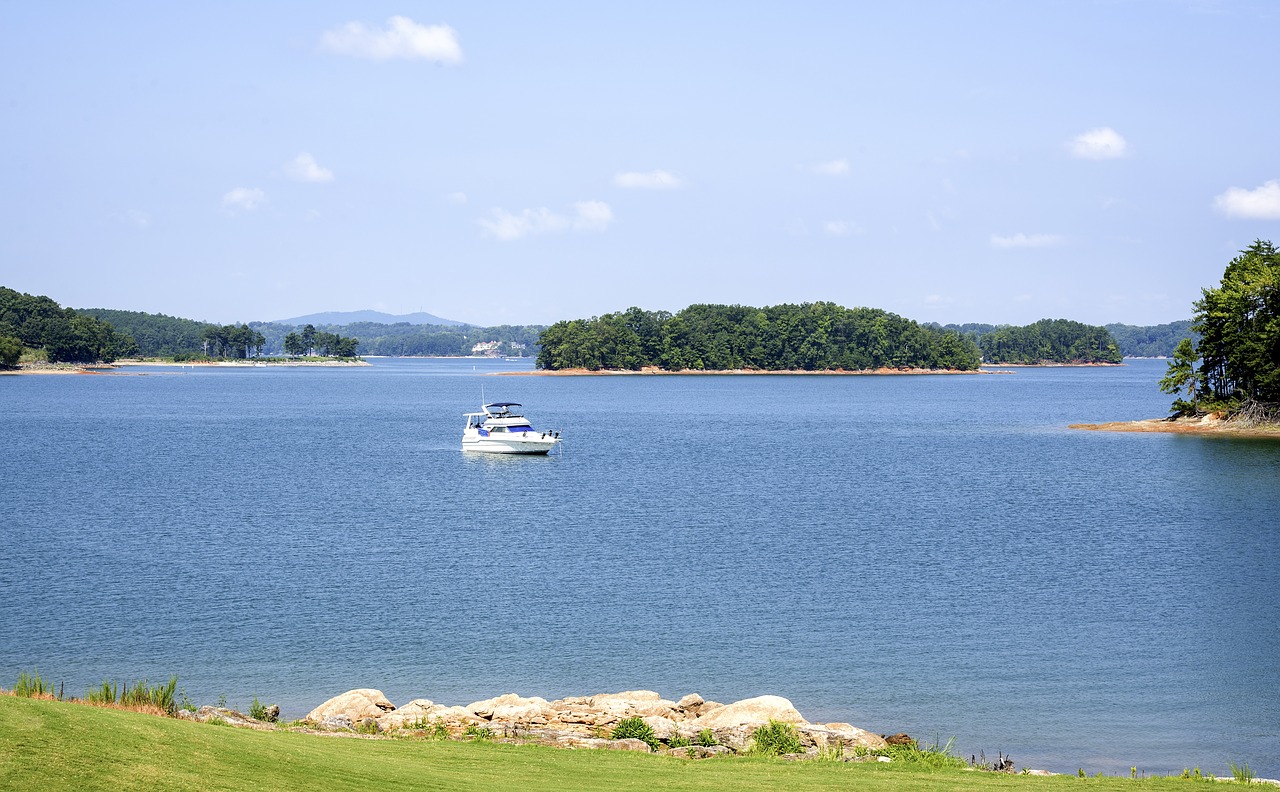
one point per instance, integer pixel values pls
(530, 162)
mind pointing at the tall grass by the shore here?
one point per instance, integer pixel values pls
(33, 685)
(141, 696)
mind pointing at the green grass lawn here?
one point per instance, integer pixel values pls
(46, 745)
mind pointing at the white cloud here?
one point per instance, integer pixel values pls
(653, 180)
(837, 167)
(1262, 203)
(458, 198)
(243, 198)
(1099, 144)
(841, 228)
(507, 226)
(136, 218)
(402, 38)
(588, 216)
(592, 216)
(1026, 240)
(304, 168)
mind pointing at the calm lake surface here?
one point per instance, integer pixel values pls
(936, 555)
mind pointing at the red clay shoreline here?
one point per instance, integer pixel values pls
(654, 371)
(1211, 424)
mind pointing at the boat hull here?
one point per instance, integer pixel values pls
(491, 446)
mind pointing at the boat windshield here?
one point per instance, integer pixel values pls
(523, 428)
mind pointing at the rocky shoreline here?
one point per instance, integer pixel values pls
(689, 727)
(1211, 424)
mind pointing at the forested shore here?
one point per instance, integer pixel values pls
(819, 336)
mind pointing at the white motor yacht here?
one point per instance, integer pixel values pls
(501, 429)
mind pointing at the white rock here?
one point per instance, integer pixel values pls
(663, 728)
(354, 704)
(753, 711)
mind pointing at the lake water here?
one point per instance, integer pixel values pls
(936, 555)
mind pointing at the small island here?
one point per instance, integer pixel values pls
(809, 338)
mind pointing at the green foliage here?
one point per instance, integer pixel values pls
(65, 335)
(139, 695)
(10, 351)
(1239, 347)
(1241, 772)
(831, 753)
(1151, 340)
(634, 728)
(707, 738)
(817, 336)
(935, 756)
(676, 741)
(1191, 775)
(1181, 377)
(257, 710)
(1049, 341)
(435, 729)
(106, 693)
(156, 335)
(33, 686)
(367, 726)
(775, 739)
(477, 733)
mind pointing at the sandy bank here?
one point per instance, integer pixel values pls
(1207, 425)
(247, 363)
(1057, 365)
(107, 368)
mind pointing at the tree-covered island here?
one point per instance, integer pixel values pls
(1049, 341)
(819, 336)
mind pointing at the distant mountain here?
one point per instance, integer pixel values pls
(375, 317)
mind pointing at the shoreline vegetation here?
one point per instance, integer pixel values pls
(142, 737)
(1227, 380)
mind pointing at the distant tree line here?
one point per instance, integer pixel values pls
(817, 336)
(404, 339)
(1153, 340)
(1049, 341)
(156, 335)
(1131, 340)
(1239, 347)
(64, 335)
